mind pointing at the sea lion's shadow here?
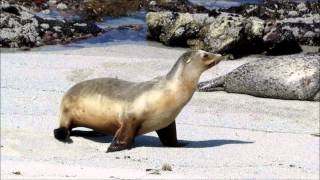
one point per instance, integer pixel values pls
(152, 141)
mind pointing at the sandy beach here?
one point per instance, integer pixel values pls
(228, 135)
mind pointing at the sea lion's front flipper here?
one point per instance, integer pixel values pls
(123, 138)
(168, 136)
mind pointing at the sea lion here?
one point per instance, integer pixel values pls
(127, 109)
(294, 77)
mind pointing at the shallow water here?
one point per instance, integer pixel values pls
(213, 4)
(118, 36)
(111, 37)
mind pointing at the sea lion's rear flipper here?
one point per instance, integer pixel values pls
(84, 133)
(62, 134)
(212, 85)
(168, 136)
(124, 137)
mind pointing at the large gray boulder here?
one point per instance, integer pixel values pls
(232, 34)
(294, 77)
(173, 28)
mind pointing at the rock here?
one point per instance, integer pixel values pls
(45, 26)
(52, 2)
(298, 17)
(98, 9)
(57, 28)
(295, 77)
(166, 167)
(62, 6)
(248, 10)
(302, 7)
(17, 173)
(272, 9)
(182, 6)
(152, 3)
(317, 97)
(223, 34)
(226, 33)
(153, 171)
(60, 31)
(305, 29)
(293, 14)
(280, 42)
(233, 34)
(174, 28)
(40, 2)
(18, 26)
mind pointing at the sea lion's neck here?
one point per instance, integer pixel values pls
(172, 74)
(178, 75)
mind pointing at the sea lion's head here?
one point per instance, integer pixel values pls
(201, 59)
(193, 63)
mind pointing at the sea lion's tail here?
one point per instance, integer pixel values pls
(62, 134)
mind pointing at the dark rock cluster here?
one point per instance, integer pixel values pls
(21, 28)
(182, 6)
(18, 27)
(56, 31)
(274, 9)
(302, 18)
(97, 9)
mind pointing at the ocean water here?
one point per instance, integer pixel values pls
(111, 37)
(214, 4)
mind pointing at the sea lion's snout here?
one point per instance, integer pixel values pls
(211, 59)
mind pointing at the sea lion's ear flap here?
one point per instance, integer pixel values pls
(187, 61)
(186, 57)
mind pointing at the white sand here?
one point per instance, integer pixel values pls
(228, 135)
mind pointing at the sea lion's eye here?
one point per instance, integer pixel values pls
(205, 56)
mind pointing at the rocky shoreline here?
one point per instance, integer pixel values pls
(32, 23)
(271, 28)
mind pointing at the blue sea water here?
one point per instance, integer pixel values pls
(111, 37)
(213, 4)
